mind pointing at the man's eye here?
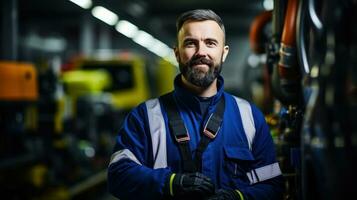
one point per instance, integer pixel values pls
(189, 44)
(211, 44)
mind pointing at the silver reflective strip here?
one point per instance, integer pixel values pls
(158, 133)
(123, 154)
(264, 173)
(247, 119)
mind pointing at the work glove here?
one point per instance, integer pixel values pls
(223, 194)
(189, 186)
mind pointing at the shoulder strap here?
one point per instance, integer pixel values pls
(179, 131)
(210, 131)
(246, 114)
(181, 134)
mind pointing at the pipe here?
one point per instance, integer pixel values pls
(9, 30)
(256, 31)
(300, 39)
(287, 62)
(288, 67)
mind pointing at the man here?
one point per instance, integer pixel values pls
(197, 142)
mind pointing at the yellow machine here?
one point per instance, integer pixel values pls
(99, 93)
(124, 78)
(63, 125)
(165, 74)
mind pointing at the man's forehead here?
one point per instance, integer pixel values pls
(209, 27)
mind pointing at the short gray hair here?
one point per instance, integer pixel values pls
(199, 15)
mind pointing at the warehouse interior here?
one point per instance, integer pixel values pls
(70, 71)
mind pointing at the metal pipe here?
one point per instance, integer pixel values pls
(9, 30)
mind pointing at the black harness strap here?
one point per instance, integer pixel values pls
(211, 129)
(181, 134)
(179, 131)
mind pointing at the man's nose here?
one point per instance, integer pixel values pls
(201, 50)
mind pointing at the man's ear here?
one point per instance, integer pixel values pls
(225, 53)
(177, 55)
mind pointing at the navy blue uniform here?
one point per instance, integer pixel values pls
(242, 156)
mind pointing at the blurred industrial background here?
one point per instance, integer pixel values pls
(71, 69)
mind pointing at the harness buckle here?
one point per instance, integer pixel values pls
(209, 134)
(183, 138)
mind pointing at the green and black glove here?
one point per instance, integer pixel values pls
(189, 185)
(223, 194)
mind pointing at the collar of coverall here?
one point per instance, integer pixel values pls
(190, 99)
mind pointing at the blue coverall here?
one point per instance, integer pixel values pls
(142, 160)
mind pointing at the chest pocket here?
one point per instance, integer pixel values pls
(238, 161)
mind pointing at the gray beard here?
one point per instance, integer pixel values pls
(198, 77)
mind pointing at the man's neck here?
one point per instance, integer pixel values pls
(199, 91)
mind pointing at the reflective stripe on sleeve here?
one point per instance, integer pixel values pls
(247, 119)
(264, 173)
(171, 186)
(158, 133)
(123, 154)
(240, 194)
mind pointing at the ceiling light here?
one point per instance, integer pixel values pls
(160, 48)
(172, 59)
(144, 39)
(268, 4)
(126, 28)
(83, 3)
(105, 15)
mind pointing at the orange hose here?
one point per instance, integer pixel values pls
(287, 63)
(288, 37)
(256, 30)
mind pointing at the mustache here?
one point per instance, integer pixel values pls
(200, 60)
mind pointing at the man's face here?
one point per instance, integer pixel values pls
(201, 51)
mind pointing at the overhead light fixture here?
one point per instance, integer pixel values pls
(144, 39)
(83, 3)
(172, 59)
(105, 15)
(126, 28)
(129, 30)
(160, 48)
(268, 4)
